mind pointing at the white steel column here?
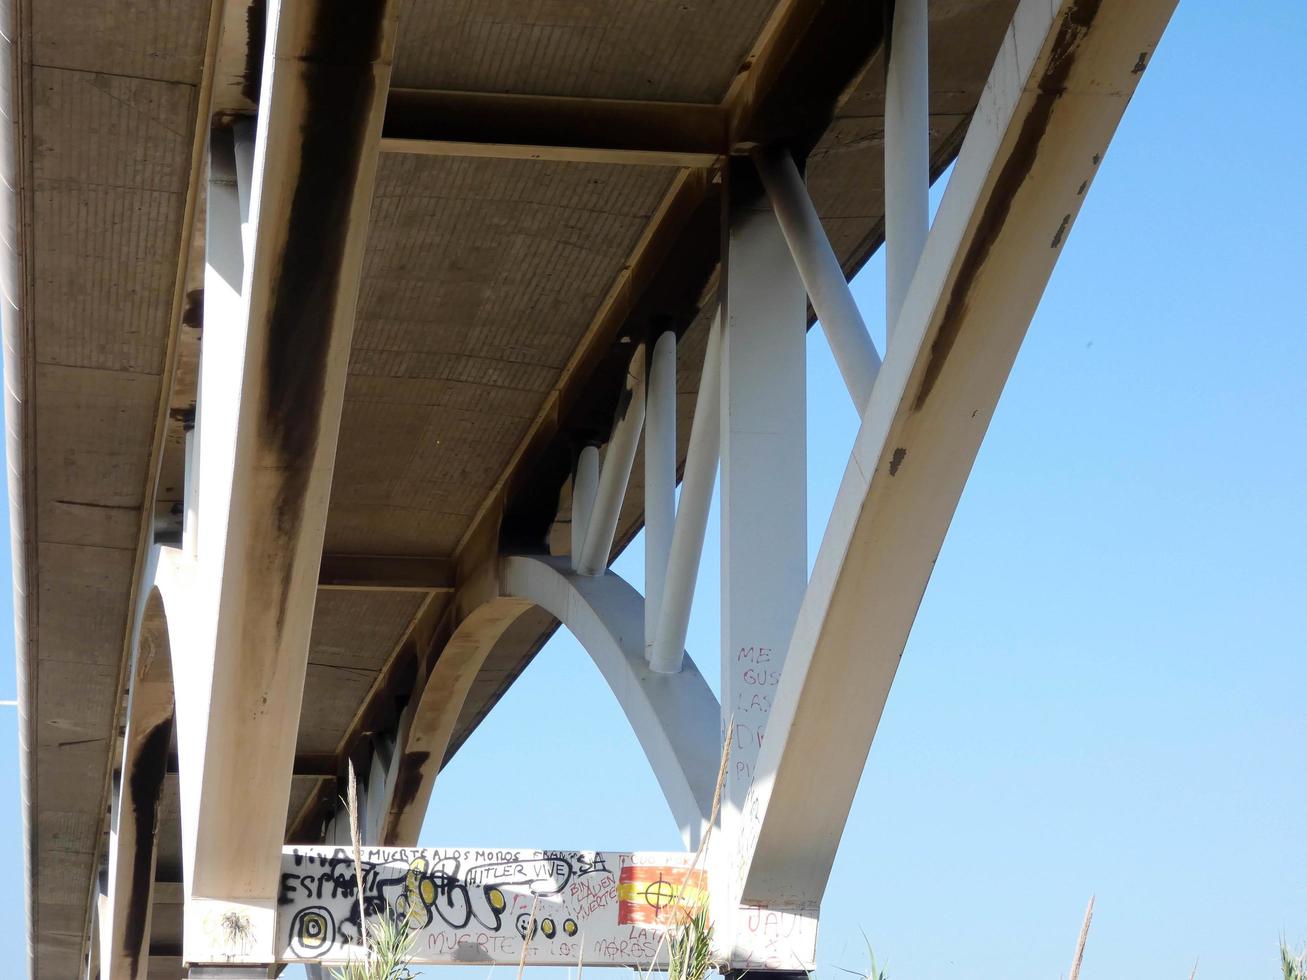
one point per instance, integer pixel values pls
(659, 480)
(191, 485)
(764, 479)
(832, 300)
(691, 511)
(244, 134)
(907, 152)
(585, 483)
(616, 473)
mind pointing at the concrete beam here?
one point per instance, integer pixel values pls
(305, 765)
(506, 126)
(391, 573)
(1055, 96)
(266, 467)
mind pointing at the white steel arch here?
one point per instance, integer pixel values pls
(675, 716)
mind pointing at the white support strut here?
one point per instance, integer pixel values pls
(828, 291)
(675, 717)
(616, 473)
(659, 480)
(585, 484)
(692, 512)
(764, 521)
(907, 152)
(1054, 98)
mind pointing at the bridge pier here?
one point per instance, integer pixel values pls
(764, 465)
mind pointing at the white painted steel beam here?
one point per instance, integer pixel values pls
(764, 481)
(1056, 93)
(907, 152)
(674, 716)
(691, 523)
(274, 362)
(659, 480)
(828, 290)
(619, 457)
(585, 484)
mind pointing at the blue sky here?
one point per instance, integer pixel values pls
(1106, 689)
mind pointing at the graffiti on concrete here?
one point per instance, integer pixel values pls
(482, 906)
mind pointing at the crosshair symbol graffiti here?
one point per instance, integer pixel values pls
(312, 932)
(659, 894)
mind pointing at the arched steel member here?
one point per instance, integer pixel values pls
(676, 717)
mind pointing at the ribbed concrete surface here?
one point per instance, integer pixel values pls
(480, 279)
(112, 113)
(665, 50)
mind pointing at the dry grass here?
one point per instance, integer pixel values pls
(1294, 966)
(1080, 943)
(387, 942)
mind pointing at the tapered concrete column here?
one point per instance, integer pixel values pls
(763, 472)
(278, 324)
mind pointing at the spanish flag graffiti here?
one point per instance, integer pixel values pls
(658, 896)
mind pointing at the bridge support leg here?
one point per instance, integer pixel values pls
(907, 153)
(763, 472)
(659, 480)
(1056, 93)
(277, 335)
(691, 524)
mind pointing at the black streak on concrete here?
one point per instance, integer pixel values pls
(256, 31)
(1061, 230)
(888, 28)
(843, 37)
(1075, 24)
(408, 781)
(896, 460)
(345, 39)
(193, 312)
(144, 786)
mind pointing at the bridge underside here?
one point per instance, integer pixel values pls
(527, 192)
